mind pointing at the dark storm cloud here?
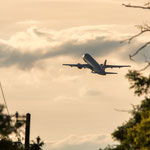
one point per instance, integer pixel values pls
(100, 46)
(97, 47)
(10, 56)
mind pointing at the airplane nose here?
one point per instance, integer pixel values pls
(83, 56)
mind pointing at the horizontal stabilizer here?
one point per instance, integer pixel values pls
(116, 66)
(111, 72)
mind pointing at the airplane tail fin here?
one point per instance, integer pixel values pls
(111, 72)
(104, 64)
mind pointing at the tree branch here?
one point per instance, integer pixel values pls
(134, 6)
(122, 110)
(141, 48)
(144, 28)
(132, 37)
(148, 65)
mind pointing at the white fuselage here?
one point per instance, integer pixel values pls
(95, 67)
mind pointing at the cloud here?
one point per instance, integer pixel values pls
(74, 142)
(93, 93)
(26, 49)
(29, 22)
(109, 1)
(85, 91)
(10, 56)
(63, 99)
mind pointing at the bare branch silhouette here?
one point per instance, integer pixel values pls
(128, 111)
(138, 50)
(147, 66)
(143, 29)
(136, 6)
(147, 61)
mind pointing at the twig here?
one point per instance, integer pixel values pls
(148, 65)
(138, 50)
(134, 6)
(122, 110)
(145, 28)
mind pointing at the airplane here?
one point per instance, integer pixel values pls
(95, 67)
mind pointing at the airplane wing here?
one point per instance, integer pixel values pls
(80, 66)
(116, 66)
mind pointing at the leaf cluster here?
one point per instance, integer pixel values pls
(37, 145)
(134, 134)
(9, 124)
(12, 124)
(139, 83)
(8, 144)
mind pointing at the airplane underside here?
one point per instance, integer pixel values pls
(104, 73)
(94, 66)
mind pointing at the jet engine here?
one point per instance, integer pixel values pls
(79, 66)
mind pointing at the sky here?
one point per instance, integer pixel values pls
(71, 109)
